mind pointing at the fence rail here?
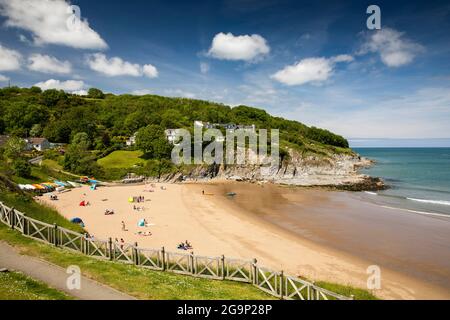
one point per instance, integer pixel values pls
(218, 268)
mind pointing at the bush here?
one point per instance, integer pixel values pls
(21, 168)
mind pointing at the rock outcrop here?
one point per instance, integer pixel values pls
(338, 171)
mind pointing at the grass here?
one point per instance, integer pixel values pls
(139, 282)
(358, 294)
(122, 160)
(17, 286)
(25, 204)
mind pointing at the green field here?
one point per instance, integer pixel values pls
(122, 160)
(17, 286)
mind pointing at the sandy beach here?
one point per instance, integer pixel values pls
(331, 236)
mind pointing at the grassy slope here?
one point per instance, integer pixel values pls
(17, 286)
(138, 282)
(121, 159)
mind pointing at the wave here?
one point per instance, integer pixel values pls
(440, 202)
(434, 214)
(371, 193)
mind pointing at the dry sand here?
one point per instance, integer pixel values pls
(215, 225)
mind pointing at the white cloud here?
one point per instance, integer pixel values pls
(80, 92)
(50, 22)
(68, 85)
(204, 67)
(245, 47)
(394, 49)
(3, 78)
(48, 64)
(141, 92)
(313, 70)
(116, 66)
(9, 59)
(150, 71)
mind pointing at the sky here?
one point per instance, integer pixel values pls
(312, 61)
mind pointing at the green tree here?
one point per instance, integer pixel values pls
(95, 93)
(14, 147)
(152, 141)
(81, 141)
(21, 167)
(36, 130)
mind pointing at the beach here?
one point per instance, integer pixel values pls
(318, 234)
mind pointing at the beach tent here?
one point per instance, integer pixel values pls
(77, 221)
(130, 200)
(141, 223)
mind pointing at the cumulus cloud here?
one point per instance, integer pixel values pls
(309, 70)
(3, 78)
(9, 59)
(116, 66)
(68, 85)
(48, 64)
(226, 46)
(150, 71)
(394, 49)
(51, 22)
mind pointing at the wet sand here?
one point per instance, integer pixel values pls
(413, 244)
(321, 235)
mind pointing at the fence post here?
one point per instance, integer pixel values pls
(254, 271)
(136, 254)
(222, 266)
(163, 258)
(281, 284)
(312, 294)
(110, 247)
(55, 234)
(25, 225)
(191, 264)
(11, 218)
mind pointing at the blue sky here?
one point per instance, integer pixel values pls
(313, 61)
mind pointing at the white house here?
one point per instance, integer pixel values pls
(39, 144)
(131, 141)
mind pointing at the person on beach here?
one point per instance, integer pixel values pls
(123, 226)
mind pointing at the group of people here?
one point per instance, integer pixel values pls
(185, 246)
(53, 197)
(139, 199)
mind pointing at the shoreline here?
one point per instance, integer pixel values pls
(215, 226)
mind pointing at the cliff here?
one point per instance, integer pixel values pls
(338, 171)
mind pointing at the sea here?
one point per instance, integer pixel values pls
(418, 178)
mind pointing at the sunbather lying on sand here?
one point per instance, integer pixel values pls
(144, 233)
(109, 212)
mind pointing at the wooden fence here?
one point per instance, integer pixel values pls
(218, 268)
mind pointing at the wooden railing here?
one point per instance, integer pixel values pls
(275, 283)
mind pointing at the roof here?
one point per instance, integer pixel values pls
(37, 140)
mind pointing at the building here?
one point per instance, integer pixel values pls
(131, 141)
(39, 144)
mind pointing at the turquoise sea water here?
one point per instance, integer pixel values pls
(419, 178)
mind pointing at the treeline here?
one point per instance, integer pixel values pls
(108, 119)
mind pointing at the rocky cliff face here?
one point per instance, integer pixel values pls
(335, 171)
